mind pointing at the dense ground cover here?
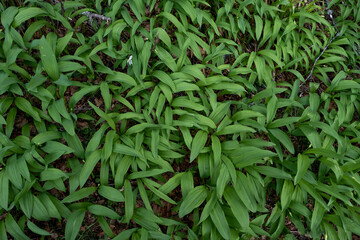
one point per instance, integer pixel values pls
(155, 119)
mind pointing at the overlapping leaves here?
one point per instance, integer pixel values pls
(198, 106)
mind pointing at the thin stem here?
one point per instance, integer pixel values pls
(329, 12)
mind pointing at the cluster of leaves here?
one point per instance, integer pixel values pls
(197, 107)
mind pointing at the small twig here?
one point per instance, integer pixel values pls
(91, 15)
(84, 109)
(356, 49)
(62, 8)
(330, 13)
(317, 59)
(156, 41)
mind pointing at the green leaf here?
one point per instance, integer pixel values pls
(259, 26)
(165, 78)
(144, 174)
(36, 229)
(45, 137)
(271, 109)
(123, 149)
(68, 126)
(233, 129)
(105, 226)
(80, 94)
(222, 180)
(108, 146)
(317, 216)
(193, 200)
(239, 210)
(246, 156)
(218, 218)
(8, 15)
(78, 195)
(216, 148)
(173, 19)
(310, 189)
(105, 93)
(25, 106)
(4, 186)
(103, 115)
(272, 172)
(13, 228)
(88, 167)
(303, 163)
(208, 207)
(284, 139)
(129, 201)
(3, 234)
(111, 193)
(51, 174)
(27, 13)
(48, 58)
(188, 9)
(73, 224)
(286, 194)
(125, 234)
(100, 210)
(198, 144)
(63, 42)
(121, 78)
(150, 184)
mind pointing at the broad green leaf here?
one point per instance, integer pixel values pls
(36, 229)
(73, 224)
(239, 210)
(78, 195)
(100, 210)
(233, 129)
(105, 93)
(151, 185)
(271, 109)
(80, 94)
(45, 137)
(25, 106)
(3, 234)
(284, 139)
(48, 59)
(123, 149)
(129, 201)
(216, 148)
(4, 186)
(165, 78)
(259, 26)
(208, 207)
(125, 234)
(198, 144)
(174, 20)
(286, 194)
(272, 172)
(111, 193)
(105, 226)
(193, 200)
(13, 228)
(108, 146)
(88, 167)
(246, 156)
(52, 174)
(27, 13)
(222, 180)
(317, 216)
(103, 115)
(303, 163)
(218, 218)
